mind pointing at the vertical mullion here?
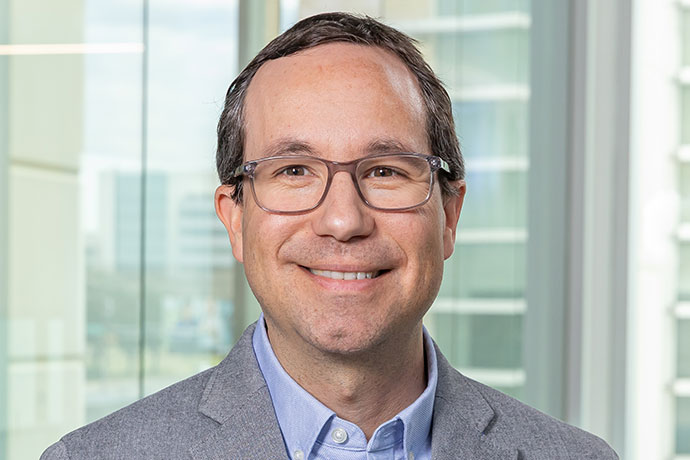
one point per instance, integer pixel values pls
(576, 143)
(621, 224)
(605, 226)
(143, 207)
(653, 255)
(544, 343)
(4, 225)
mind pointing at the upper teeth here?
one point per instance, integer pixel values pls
(343, 275)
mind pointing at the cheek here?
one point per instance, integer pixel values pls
(264, 234)
(421, 238)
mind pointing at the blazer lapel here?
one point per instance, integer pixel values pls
(462, 420)
(237, 398)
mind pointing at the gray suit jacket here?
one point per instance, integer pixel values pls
(226, 413)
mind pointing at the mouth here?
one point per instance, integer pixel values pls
(346, 276)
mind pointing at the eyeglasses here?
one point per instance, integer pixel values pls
(295, 184)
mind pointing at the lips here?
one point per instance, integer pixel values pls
(348, 276)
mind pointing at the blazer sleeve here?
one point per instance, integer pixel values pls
(55, 452)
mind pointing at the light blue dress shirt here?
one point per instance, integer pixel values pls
(314, 432)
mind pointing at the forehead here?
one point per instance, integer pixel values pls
(333, 93)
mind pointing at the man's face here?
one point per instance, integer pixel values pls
(343, 102)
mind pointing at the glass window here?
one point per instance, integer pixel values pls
(683, 323)
(683, 426)
(685, 112)
(77, 88)
(683, 349)
(468, 7)
(502, 187)
(477, 119)
(189, 269)
(685, 34)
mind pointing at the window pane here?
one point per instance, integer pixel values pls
(683, 425)
(685, 116)
(683, 350)
(477, 122)
(456, 334)
(485, 271)
(685, 35)
(111, 224)
(191, 317)
(684, 185)
(684, 272)
(75, 343)
(682, 437)
(503, 202)
(481, 58)
(450, 7)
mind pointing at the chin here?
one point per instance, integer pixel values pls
(346, 339)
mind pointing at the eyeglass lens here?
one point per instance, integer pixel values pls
(297, 184)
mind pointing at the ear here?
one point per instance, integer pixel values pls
(452, 205)
(230, 213)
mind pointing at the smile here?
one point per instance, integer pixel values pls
(344, 275)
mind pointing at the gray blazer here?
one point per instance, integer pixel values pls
(226, 413)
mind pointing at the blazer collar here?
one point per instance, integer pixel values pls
(237, 398)
(461, 426)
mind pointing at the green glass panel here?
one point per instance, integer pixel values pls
(480, 341)
(461, 7)
(74, 21)
(685, 34)
(485, 271)
(111, 192)
(683, 350)
(495, 199)
(684, 272)
(191, 319)
(685, 114)
(683, 425)
(477, 123)
(684, 189)
(481, 58)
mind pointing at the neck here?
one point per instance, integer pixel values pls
(367, 389)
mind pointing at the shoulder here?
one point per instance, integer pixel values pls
(154, 427)
(496, 422)
(182, 418)
(538, 435)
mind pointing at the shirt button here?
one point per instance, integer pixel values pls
(298, 455)
(339, 435)
(411, 456)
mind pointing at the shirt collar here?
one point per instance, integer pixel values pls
(302, 417)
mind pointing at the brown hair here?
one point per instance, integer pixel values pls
(341, 27)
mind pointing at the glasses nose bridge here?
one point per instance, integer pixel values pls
(349, 167)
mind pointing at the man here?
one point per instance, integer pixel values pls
(341, 190)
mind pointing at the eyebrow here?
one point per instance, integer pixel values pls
(291, 146)
(387, 146)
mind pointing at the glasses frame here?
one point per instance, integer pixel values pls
(435, 163)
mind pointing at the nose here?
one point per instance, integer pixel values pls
(343, 215)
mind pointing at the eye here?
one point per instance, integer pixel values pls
(294, 170)
(382, 171)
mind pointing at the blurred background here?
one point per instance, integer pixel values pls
(570, 283)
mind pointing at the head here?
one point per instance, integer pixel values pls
(345, 28)
(340, 88)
